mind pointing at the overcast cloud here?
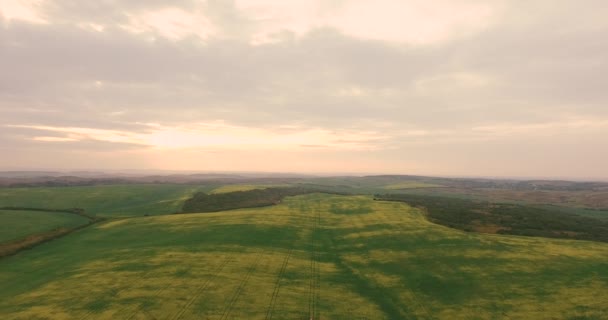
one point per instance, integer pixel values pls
(458, 87)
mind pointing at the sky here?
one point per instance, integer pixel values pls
(432, 87)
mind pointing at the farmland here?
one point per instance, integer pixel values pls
(314, 256)
(243, 187)
(21, 223)
(411, 185)
(504, 218)
(103, 200)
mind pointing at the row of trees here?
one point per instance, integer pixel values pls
(202, 202)
(516, 219)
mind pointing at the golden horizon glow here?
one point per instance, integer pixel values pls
(217, 135)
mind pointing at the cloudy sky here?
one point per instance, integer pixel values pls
(437, 87)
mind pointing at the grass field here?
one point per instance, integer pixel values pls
(103, 200)
(311, 257)
(19, 224)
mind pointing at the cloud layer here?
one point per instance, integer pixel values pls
(429, 87)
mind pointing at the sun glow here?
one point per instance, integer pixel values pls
(21, 10)
(217, 135)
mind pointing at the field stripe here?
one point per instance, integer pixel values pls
(138, 308)
(277, 286)
(311, 279)
(162, 289)
(128, 285)
(239, 289)
(313, 295)
(150, 316)
(389, 304)
(201, 289)
(318, 284)
(317, 273)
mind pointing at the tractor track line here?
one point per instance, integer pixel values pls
(201, 289)
(138, 307)
(314, 268)
(156, 294)
(239, 289)
(277, 286)
(128, 285)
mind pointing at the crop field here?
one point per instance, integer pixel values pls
(18, 224)
(314, 256)
(103, 200)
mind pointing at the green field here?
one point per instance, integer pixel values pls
(311, 257)
(18, 224)
(103, 200)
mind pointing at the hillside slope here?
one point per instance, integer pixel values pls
(311, 257)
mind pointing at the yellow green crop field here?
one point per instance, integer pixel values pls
(315, 256)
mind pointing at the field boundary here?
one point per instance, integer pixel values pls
(16, 246)
(77, 211)
(496, 217)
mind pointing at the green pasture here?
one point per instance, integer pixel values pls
(103, 200)
(16, 224)
(311, 257)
